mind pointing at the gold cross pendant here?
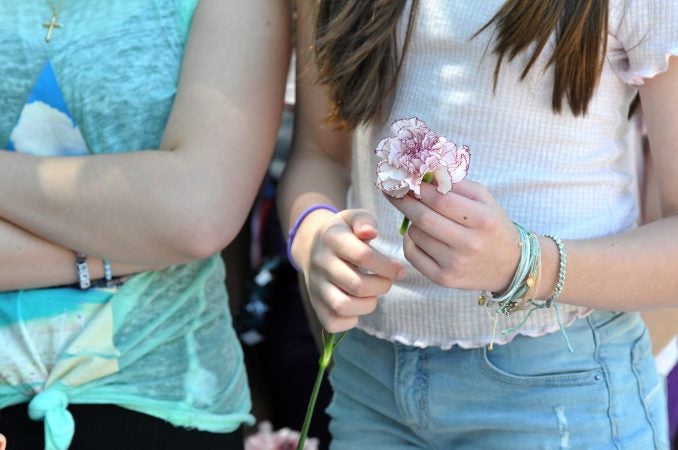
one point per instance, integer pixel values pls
(51, 25)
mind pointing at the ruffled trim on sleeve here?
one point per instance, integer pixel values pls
(644, 37)
(655, 67)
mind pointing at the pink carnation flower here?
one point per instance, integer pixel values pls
(416, 152)
(283, 439)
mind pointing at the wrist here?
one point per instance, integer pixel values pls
(505, 282)
(82, 271)
(103, 273)
(302, 232)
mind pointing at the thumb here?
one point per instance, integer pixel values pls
(362, 223)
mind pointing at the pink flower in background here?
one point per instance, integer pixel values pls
(283, 439)
(416, 154)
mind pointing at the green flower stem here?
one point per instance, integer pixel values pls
(329, 344)
(427, 178)
(404, 226)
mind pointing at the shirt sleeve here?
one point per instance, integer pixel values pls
(186, 10)
(647, 33)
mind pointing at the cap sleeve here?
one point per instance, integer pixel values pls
(646, 36)
(186, 10)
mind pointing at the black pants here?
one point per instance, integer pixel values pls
(102, 427)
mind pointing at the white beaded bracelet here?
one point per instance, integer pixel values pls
(82, 270)
(108, 273)
(562, 269)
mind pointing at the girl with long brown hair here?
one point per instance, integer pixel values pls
(460, 328)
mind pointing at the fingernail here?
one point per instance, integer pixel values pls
(402, 273)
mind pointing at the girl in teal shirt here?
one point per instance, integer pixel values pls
(134, 149)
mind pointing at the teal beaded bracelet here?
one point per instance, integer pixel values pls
(562, 269)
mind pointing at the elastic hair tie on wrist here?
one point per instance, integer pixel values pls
(297, 223)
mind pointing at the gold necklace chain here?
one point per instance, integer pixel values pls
(52, 24)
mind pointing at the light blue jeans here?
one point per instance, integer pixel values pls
(529, 394)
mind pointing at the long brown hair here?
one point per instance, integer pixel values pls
(358, 59)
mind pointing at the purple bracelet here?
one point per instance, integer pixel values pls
(295, 227)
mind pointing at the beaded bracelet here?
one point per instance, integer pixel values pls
(108, 273)
(524, 295)
(82, 270)
(295, 228)
(562, 269)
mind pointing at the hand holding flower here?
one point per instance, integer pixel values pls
(343, 273)
(462, 239)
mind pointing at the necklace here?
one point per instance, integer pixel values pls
(52, 24)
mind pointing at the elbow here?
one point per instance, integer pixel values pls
(208, 219)
(200, 239)
(201, 247)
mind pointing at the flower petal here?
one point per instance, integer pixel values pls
(391, 180)
(385, 170)
(443, 179)
(412, 122)
(414, 151)
(398, 191)
(463, 162)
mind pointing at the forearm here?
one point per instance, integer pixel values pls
(31, 262)
(310, 178)
(638, 269)
(189, 200)
(140, 208)
(341, 273)
(634, 270)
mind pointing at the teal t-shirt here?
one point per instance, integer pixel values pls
(163, 343)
